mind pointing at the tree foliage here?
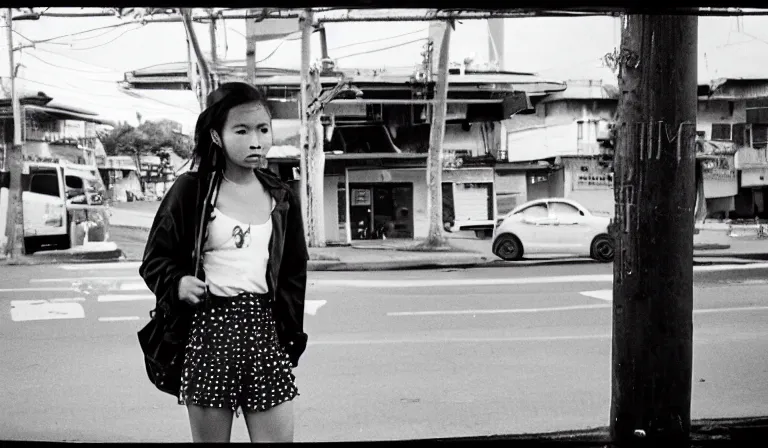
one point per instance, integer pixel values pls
(149, 138)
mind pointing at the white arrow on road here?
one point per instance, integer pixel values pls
(602, 294)
(23, 310)
(311, 306)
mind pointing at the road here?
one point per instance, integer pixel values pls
(392, 355)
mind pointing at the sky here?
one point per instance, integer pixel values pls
(84, 68)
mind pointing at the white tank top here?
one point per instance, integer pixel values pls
(236, 254)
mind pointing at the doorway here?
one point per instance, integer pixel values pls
(381, 211)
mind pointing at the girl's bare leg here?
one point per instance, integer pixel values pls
(210, 424)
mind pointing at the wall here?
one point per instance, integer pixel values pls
(718, 111)
(510, 190)
(597, 197)
(553, 130)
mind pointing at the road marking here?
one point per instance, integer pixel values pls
(134, 286)
(84, 279)
(598, 278)
(311, 306)
(507, 311)
(25, 310)
(602, 294)
(118, 319)
(36, 289)
(125, 297)
(100, 266)
(469, 340)
(465, 282)
(726, 310)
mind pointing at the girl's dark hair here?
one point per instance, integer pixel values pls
(208, 157)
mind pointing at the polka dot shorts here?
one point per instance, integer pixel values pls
(234, 359)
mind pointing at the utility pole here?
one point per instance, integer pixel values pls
(214, 54)
(437, 133)
(250, 51)
(194, 82)
(315, 166)
(205, 73)
(653, 267)
(15, 220)
(305, 23)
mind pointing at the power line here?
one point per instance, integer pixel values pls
(110, 41)
(72, 69)
(381, 49)
(379, 40)
(84, 32)
(114, 70)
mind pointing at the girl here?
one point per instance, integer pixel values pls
(227, 256)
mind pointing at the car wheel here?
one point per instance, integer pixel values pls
(602, 248)
(508, 248)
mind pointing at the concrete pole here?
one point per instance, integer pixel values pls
(653, 266)
(437, 133)
(305, 23)
(15, 220)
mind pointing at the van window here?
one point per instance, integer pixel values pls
(44, 183)
(74, 182)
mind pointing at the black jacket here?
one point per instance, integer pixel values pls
(171, 253)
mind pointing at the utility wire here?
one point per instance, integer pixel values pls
(379, 40)
(79, 60)
(110, 41)
(381, 49)
(72, 69)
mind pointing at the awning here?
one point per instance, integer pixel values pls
(69, 115)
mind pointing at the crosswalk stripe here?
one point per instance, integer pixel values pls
(84, 279)
(134, 286)
(118, 318)
(100, 266)
(36, 289)
(125, 297)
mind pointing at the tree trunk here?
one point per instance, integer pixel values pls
(15, 220)
(653, 266)
(437, 133)
(315, 171)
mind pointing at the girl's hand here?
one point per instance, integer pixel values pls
(191, 290)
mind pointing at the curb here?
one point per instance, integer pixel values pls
(56, 258)
(734, 429)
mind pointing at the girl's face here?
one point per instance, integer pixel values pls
(247, 135)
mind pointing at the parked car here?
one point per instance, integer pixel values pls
(553, 225)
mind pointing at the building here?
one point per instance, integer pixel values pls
(376, 145)
(734, 111)
(562, 150)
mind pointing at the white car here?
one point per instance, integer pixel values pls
(553, 225)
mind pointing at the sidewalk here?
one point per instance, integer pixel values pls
(712, 244)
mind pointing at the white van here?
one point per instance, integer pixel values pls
(63, 205)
